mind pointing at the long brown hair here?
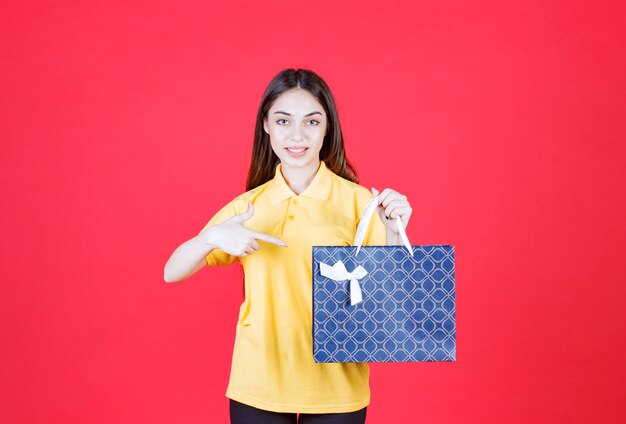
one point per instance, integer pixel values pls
(264, 160)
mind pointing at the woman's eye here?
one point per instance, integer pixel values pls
(279, 122)
(315, 122)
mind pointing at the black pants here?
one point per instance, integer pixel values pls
(245, 414)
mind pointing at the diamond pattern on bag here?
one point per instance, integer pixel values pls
(408, 308)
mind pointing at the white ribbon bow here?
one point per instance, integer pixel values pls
(338, 272)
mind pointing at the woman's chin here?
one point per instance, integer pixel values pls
(300, 162)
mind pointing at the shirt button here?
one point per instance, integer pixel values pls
(295, 202)
(290, 217)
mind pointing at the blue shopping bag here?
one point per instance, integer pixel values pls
(383, 303)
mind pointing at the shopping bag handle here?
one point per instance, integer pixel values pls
(364, 222)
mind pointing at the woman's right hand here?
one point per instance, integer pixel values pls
(234, 238)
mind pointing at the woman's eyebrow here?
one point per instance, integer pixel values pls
(289, 114)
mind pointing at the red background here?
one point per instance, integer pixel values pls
(126, 125)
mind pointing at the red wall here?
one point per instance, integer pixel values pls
(125, 127)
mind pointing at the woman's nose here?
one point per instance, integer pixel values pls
(298, 132)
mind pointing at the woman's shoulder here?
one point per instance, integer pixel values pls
(240, 202)
(349, 187)
(350, 193)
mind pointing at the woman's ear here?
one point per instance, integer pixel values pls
(265, 126)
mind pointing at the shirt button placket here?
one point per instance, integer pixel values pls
(294, 201)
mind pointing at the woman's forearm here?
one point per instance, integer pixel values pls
(188, 258)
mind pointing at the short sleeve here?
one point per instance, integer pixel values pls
(376, 233)
(218, 257)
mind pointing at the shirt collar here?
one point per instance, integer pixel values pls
(319, 188)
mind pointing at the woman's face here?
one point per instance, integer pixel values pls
(296, 124)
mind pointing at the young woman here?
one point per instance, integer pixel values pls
(301, 191)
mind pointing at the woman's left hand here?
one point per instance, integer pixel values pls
(390, 205)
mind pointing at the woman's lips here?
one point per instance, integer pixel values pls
(297, 153)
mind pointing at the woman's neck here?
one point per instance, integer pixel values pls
(299, 178)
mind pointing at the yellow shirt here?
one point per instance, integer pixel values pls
(272, 364)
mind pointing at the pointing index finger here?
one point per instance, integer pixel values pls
(267, 238)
